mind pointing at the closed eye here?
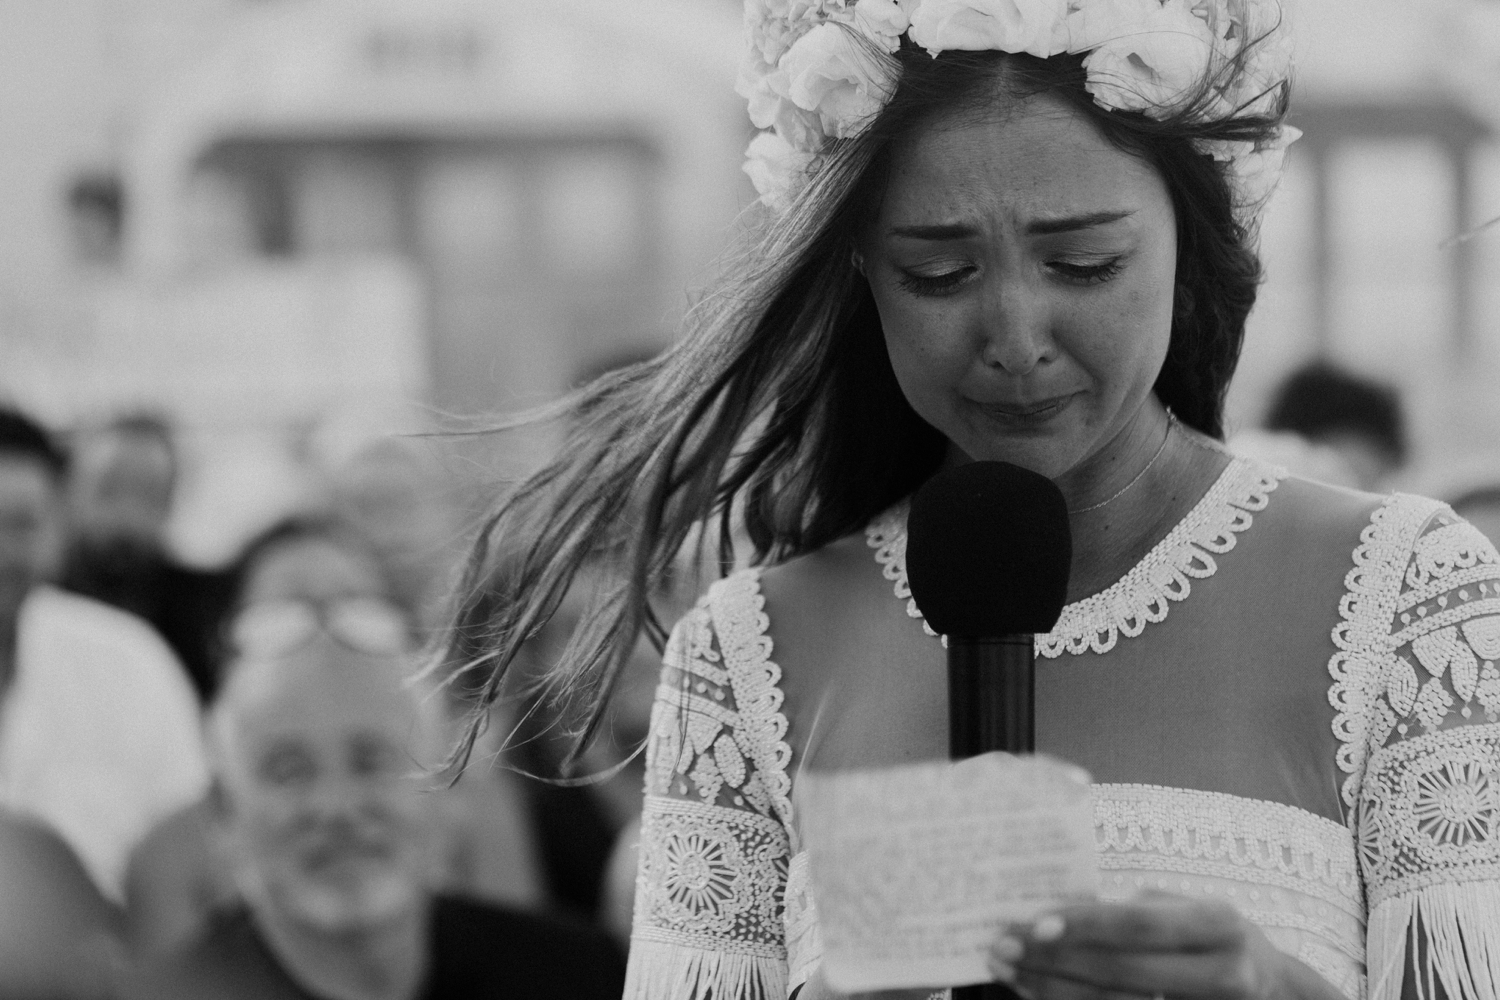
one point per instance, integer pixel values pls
(935, 284)
(1086, 274)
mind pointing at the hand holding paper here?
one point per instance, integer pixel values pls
(919, 870)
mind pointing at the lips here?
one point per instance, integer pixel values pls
(1027, 411)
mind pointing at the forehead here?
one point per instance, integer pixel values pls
(312, 567)
(1035, 157)
(322, 711)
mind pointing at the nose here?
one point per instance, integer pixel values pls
(1016, 328)
(337, 802)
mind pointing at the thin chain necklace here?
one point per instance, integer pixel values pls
(1171, 422)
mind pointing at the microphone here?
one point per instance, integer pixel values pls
(988, 549)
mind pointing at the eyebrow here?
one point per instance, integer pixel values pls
(1039, 227)
(941, 231)
(1073, 223)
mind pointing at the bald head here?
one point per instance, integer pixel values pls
(318, 756)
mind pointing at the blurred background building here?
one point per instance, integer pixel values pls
(291, 224)
(1400, 156)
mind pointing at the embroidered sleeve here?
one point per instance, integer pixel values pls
(715, 838)
(1428, 803)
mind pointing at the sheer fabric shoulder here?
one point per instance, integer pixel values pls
(716, 827)
(1417, 696)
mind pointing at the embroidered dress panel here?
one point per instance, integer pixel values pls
(1145, 594)
(1290, 872)
(1417, 696)
(717, 821)
(722, 905)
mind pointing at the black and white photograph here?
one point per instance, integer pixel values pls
(749, 500)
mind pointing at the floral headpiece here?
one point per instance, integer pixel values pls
(821, 70)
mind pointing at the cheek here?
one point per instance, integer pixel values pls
(1123, 336)
(265, 835)
(928, 346)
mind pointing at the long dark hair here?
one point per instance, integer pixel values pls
(777, 416)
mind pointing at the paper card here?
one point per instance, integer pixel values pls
(916, 870)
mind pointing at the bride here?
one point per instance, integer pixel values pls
(1024, 230)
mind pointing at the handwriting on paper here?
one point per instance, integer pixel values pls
(917, 870)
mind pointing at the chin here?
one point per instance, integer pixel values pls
(1045, 457)
(345, 905)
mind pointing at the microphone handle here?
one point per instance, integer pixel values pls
(991, 695)
(991, 706)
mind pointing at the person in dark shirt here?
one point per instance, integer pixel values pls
(475, 952)
(119, 499)
(317, 744)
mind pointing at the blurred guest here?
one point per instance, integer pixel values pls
(1356, 418)
(119, 501)
(333, 843)
(99, 732)
(177, 878)
(579, 826)
(399, 498)
(59, 938)
(307, 558)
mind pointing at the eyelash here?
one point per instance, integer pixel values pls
(934, 285)
(1088, 274)
(942, 284)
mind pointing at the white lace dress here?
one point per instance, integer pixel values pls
(722, 903)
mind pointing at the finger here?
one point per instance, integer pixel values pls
(1002, 958)
(1155, 924)
(1221, 973)
(1040, 987)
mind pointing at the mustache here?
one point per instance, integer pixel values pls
(325, 844)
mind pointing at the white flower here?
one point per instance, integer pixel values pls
(830, 72)
(1254, 170)
(773, 25)
(777, 169)
(882, 21)
(1037, 27)
(771, 107)
(1255, 174)
(1253, 54)
(1143, 55)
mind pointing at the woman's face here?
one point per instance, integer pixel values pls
(1023, 269)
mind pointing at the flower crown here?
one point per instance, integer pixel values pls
(821, 70)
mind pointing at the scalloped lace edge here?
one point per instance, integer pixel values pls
(740, 622)
(1144, 594)
(1362, 637)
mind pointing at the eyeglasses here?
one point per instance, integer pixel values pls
(363, 624)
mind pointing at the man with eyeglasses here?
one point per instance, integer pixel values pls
(99, 732)
(318, 742)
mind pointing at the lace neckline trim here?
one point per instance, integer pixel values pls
(1146, 592)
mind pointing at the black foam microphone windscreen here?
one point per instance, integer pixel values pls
(988, 551)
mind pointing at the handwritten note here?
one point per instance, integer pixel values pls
(917, 870)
